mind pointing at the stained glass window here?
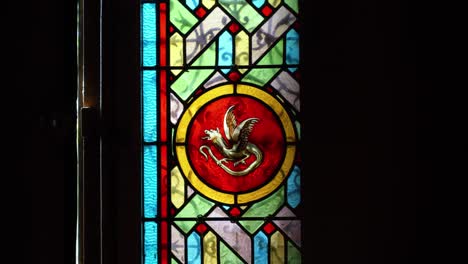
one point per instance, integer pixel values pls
(221, 173)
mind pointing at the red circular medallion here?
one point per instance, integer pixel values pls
(261, 131)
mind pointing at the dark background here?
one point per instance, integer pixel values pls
(368, 85)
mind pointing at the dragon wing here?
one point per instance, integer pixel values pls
(230, 122)
(242, 132)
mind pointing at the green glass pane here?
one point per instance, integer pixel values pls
(243, 12)
(260, 76)
(274, 56)
(227, 256)
(293, 4)
(294, 256)
(298, 129)
(189, 81)
(196, 206)
(262, 209)
(207, 58)
(180, 17)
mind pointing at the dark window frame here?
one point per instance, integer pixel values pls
(109, 225)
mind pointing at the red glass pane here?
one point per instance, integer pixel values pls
(163, 105)
(296, 25)
(162, 34)
(267, 10)
(200, 12)
(201, 228)
(235, 211)
(234, 76)
(233, 27)
(164, 243)
(164, 189)
(269, 228)
(297, 75)
(267, 134)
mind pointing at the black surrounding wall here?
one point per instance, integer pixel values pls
(371, 141)
(38, 76)
(368, 173)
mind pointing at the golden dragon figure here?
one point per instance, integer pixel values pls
(238, 136)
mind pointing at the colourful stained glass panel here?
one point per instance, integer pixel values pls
(220, 102)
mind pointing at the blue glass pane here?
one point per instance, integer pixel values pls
(261, 248)
(294, 187)
(258, 3)
(151, 243)
(149, 105)
(292, 47)
(194, 249)
(150, 184)
(149, 34)
(192, 3)
(225, 50)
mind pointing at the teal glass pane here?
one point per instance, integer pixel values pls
(261, 248)
(294, 187)
(292, 47)
(149, 106)
(149, 34)
(258, 3)
(192, 3)
(225, 49)
(194, 249)
(151, 243)
(150, 183)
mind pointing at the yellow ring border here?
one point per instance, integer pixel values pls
(190, 112)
